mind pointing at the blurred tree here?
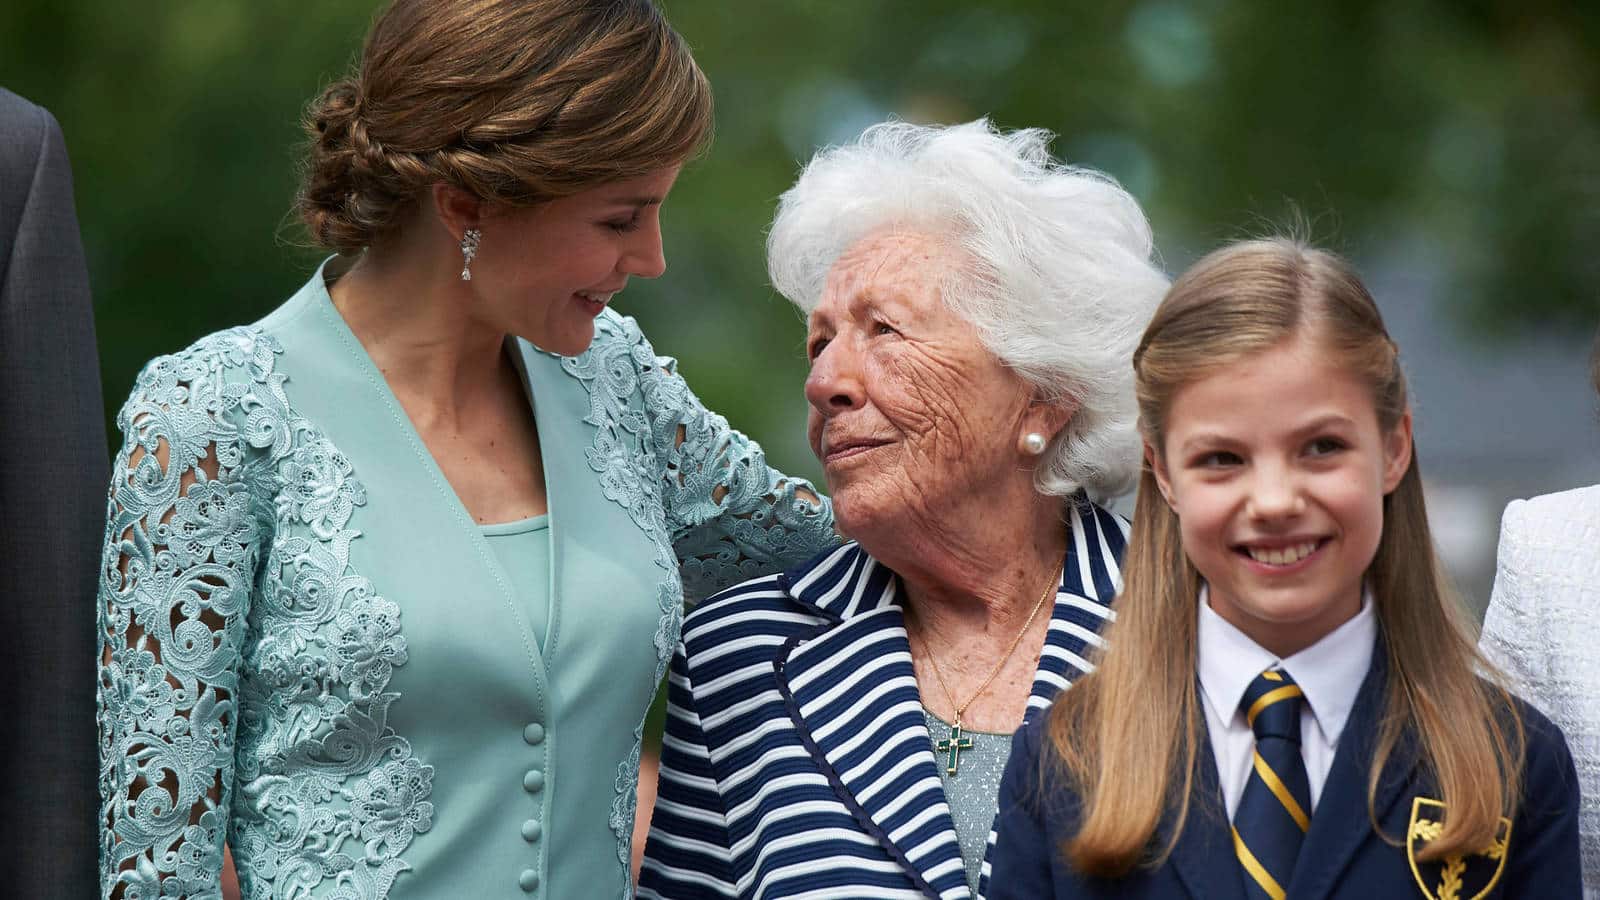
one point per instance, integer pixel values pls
(1470, 127)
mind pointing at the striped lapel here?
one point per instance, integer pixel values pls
(851, 693)
(1090, 580)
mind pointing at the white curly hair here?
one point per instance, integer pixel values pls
(1059, 282)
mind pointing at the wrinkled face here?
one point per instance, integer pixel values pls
(545, 272)
(1277, 468)
(910, 414)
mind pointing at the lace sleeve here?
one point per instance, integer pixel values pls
(177, 567)
(732, 516)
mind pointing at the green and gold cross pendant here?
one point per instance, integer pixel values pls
(954, 746)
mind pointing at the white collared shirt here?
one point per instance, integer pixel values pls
(1329, 672)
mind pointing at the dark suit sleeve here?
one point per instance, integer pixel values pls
(1021, 862)
(1544, 858)
(52, 508)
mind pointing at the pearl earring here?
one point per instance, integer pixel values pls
(469, 249)
(1033, 443)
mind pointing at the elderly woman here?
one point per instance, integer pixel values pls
(973, 307)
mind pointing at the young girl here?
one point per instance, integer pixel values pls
(1290, 705)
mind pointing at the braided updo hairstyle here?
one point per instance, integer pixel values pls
(513, 101)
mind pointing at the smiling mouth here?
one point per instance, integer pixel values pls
(594, 302)
(850, 449)
(1282, 556)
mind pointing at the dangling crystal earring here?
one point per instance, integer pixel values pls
(469, 249)
(1033, 443)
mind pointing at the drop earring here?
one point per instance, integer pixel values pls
(469, 249)
(1033, 443)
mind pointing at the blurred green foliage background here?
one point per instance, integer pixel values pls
(1473, 123)
(1468, 129)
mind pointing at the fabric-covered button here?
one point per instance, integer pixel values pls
(533, 734)
(531, 830)
(533, 782)
(528, 880)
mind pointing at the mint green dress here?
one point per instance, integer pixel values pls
(309, 649)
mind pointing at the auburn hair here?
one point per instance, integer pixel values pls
(513, 101)
(1128, 737)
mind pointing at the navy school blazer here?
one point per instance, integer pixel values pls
(1342, 858)
(797, 760)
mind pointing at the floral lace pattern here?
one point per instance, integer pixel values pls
(245, 666)
(214, 658)
(718, 513)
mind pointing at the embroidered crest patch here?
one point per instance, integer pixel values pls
(1461, 877)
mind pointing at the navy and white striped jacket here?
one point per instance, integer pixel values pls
(797, 762)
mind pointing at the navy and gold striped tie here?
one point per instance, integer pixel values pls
(1275, 811)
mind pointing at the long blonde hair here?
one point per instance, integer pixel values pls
(1132, 769)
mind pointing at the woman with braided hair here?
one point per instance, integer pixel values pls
(391, 575)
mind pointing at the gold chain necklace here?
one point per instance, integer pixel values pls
(957, 742)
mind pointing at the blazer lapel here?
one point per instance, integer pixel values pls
(850, 691)
(1091, 576)
(1090, 579)
(1204, 857)
(1341, 822)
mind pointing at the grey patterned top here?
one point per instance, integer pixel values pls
(1542, 629)
(974, 791)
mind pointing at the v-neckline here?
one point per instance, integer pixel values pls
(465, 522)
(509, 346)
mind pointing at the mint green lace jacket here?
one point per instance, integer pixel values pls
(308, 651)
